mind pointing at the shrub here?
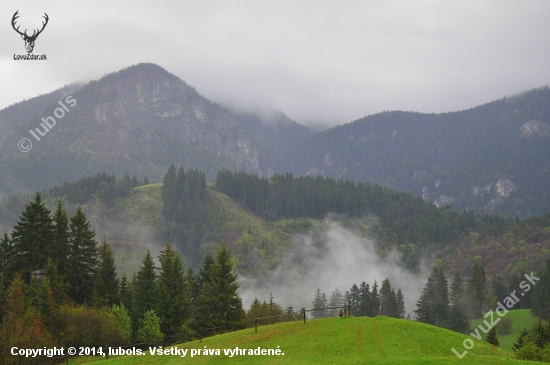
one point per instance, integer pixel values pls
(504, 327)
(83, 326)
(149, 328)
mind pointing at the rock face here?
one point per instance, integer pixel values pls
(137, 121)
(504, 187)
(159, 103)
(534, 128)
(444, 200)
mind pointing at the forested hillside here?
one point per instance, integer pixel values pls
(493, 158)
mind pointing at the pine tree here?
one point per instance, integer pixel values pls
(6, 257)
(336, 300)
(203, 277)
(273, 309)
(144, 289)
(400, 304)
(169, 194)
(58, 283)
(457, 289)
(354, 298)
(125, 292)
(82, 257)
(365, 308)
(433, 305)
(219, 296)
(476, 289)
(319, 304)
(540, 296)
(173, 306)
(60, 247)
(31, 237)
(106, 277)
(389, 301)
(375, 299)
(492, 336)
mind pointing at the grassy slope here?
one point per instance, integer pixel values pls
(138, 216)
(522, 318)
(356, 340)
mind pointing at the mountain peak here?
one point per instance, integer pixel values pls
(147, 68)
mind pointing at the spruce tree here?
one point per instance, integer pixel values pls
(144, 289)
(106, 277)
(400, 304)
(32, 237)
(173, 306)
(375, 299)
(60, 247)
(389, 301)
(365, 308)
(492, 336)
(6, 257)
(336, 300)
(58, 283)
(433, 305)
(82, 257)
(169, 194)
(457, 289)
(476, 289)
(540, 296)
(319, 304)
(125, 292)
(219, 296)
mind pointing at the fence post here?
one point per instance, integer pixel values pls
(304, 312)
(106, 353)
(200, 334)
(349, 308)
(255, 324)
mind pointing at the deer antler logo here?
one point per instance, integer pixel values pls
(29, 40)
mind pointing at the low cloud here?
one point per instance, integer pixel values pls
(328, 257)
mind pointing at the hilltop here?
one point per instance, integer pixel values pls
(354, 340)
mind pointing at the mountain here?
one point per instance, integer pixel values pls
(494, 158)
(137, 121)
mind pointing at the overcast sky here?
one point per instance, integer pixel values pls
(320, 62)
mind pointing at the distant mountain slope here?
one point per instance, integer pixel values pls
(494, 158)
(137, 121)
(23, 111)
(276, 136)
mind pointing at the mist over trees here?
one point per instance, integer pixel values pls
(362, 301)
(86, 303)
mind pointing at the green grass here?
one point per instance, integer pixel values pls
(356, 340)
(522, 318)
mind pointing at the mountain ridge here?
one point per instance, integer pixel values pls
(492, 158)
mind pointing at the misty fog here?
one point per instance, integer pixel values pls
(328, 257)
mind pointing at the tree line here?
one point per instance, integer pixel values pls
(453, 306)
(184, 211)
(362, 301)
(83, 301)
(405, 219)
